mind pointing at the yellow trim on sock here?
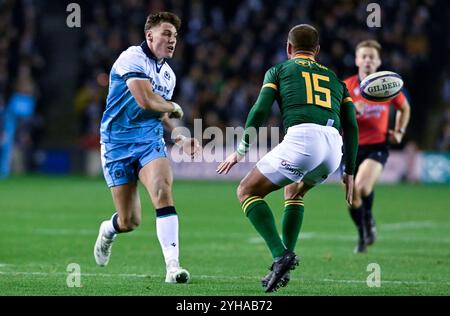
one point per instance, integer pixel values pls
(249, 199)
(287, 205)
(294, 202)
(250, 203)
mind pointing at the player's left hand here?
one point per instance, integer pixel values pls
(395, 137)
(226, 165)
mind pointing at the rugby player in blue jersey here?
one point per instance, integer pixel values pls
(141, 85)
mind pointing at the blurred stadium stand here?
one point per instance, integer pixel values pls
(223, 51)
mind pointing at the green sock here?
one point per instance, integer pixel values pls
(292, 222)
(260, 215)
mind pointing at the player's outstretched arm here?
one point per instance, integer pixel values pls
(350, 129)
(147, 100)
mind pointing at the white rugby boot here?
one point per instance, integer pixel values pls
(176, 274)
(103, 245)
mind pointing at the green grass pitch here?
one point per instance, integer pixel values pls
(49, 222)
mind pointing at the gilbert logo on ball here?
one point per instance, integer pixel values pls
(381, 86)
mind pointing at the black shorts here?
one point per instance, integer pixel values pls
(377, 152)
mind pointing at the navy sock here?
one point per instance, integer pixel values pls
(166, 211)
(114, 222)
(368, 202)
(357, 215)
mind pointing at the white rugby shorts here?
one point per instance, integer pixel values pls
(308, 153)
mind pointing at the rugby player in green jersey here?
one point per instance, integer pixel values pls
(315, 107)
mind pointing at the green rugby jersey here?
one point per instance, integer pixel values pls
(306, 92)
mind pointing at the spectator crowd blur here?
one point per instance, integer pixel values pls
(224, 49)
(20, 61)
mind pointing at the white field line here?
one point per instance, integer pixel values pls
(409, 225)
(257, 239)
(337, 237)
(230, 277)
(309, 236)
(388, 282)
(305, 235)
(140, 232)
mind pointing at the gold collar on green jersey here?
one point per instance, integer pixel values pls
(304, 57)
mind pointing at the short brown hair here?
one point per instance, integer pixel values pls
(304, 37)
(371, 44)
(160, 17)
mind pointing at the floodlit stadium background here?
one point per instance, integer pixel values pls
(53, 86)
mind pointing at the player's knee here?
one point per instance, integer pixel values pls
(365, 190)
(356, 201)
(362, 188)
(242, 192)
(289, 194)
(358, 189)
(292, 192)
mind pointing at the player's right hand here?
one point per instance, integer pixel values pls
(348, 181)
(395, 137)
(226, 165)
(190, 146)
(177, 111)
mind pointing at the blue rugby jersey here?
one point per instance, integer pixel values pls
(123, 120)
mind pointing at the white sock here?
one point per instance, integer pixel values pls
(108, 228)
(167, 231)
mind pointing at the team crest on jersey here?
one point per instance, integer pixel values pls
(303, 62)
(167, 75)
(356, 91)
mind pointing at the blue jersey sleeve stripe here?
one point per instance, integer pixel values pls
(129, 75)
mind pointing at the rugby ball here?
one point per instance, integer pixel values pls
(381, 86)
